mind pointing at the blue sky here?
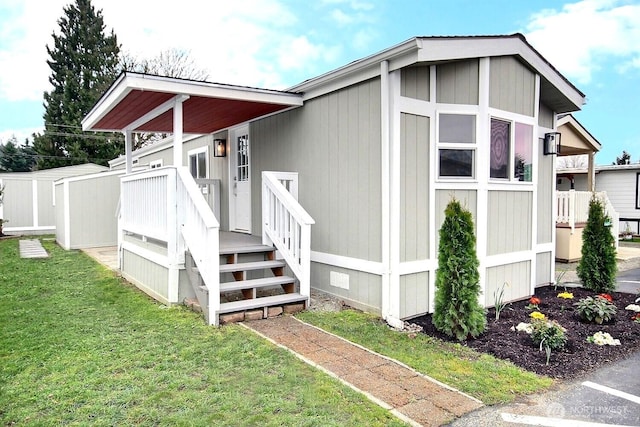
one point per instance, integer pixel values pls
(278, 43)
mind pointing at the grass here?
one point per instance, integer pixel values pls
(80, 346)
(486, 378)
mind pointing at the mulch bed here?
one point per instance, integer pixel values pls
(577, 358)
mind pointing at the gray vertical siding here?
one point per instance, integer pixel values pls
(543, 268)
(545, 195)
(92, 209)
(512, 86)
(415, 82)
(457, 82)
(509, 221)
(46, 215)
(515, 278)
(59, 215)
(365, 290)
(545, 116)
(334, 145)
(414, 295)
(18, 202)
(467, 198)
(414, 188)
(145, 274)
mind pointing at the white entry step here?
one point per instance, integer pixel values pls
(32, 249)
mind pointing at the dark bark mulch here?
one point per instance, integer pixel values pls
(577, 358)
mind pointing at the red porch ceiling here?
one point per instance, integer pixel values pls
(200, 114)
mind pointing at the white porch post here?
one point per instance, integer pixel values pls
(127, 150)
(177, 132)
(591, 181)
(173, 238)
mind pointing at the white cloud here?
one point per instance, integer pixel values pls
(579, 37)
(235, 41)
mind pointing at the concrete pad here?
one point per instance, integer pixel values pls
(32, 249)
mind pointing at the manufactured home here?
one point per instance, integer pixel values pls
(340, 182)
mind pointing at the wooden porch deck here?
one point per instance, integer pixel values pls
(108, 256)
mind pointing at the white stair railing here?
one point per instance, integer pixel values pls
(287, 226)
(201, 233)
(166, 204)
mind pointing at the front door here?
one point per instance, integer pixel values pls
(240, 178)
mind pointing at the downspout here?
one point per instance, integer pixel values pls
(390, 278)
(385, 188)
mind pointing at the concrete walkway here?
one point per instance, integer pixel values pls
(32, 249)
(409, 395)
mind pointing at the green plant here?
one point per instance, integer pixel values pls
(498, 300)
(595, 310)
(549, 335)
(457, 310)
(597, 267)
(559, 276)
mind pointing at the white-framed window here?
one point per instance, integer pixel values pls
(155, 164)
(199, 162)
(511, 154)
(457, 145)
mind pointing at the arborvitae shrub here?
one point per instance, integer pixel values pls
(457, 309)
(597, 267)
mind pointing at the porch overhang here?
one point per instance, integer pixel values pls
(576, 140)
(130, 102)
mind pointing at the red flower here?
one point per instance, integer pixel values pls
(534, 300)
(636, 317)
(606, 296)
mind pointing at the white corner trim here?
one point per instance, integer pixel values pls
(356, 264)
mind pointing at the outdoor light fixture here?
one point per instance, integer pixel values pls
(552, 143)
(219, 148)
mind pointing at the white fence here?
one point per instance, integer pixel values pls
(287, 225)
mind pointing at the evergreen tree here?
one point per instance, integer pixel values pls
(624, 159)
(17, 158)
(597, 267)
(83, 62)
(457, 310)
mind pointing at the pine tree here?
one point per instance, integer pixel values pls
(597, 267)
(17, 158)
(457, 309)
(83, 62)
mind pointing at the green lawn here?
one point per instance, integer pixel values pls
(482, 376)
(79, 346)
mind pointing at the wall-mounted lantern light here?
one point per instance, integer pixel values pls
(552, 143)
(219, 148)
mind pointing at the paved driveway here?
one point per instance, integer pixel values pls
(609, 396)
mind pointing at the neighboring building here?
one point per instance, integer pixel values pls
(372, 151)
(621, 183)
(29, 197)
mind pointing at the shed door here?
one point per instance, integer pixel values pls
(240, 200)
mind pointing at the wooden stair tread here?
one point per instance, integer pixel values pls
(246, 249)
(249, 304)
(246, 266)
(255, 283)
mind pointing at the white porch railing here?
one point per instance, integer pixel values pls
(286, 224)
(165, 204)
(573, 207)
